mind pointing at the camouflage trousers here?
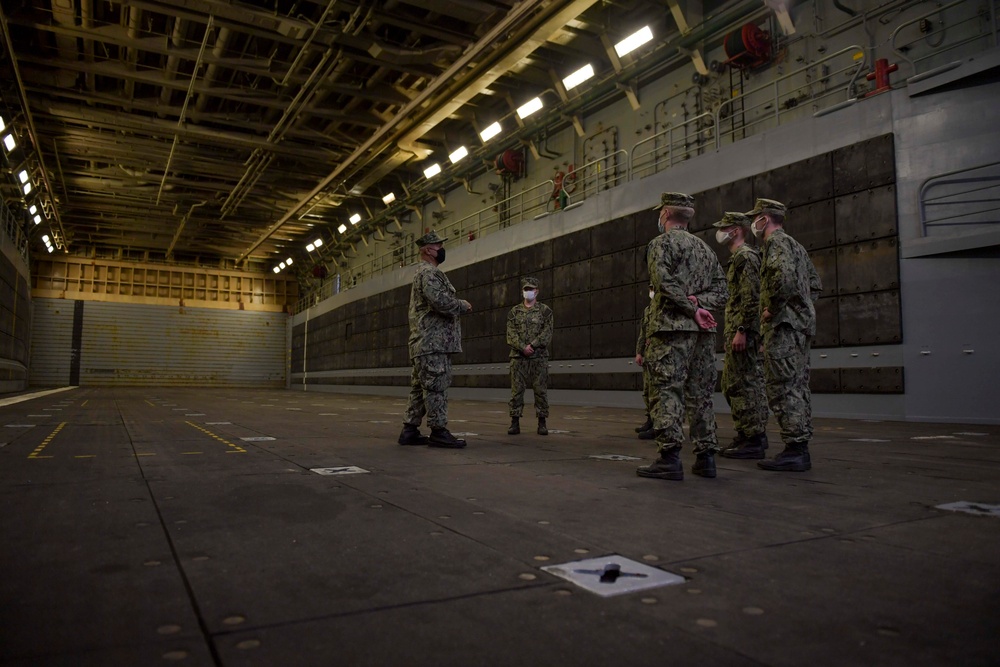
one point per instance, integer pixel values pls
(429, 384)
(534, 373)
(743, 387)
(649, 398)
(682, 370)
(786, 373)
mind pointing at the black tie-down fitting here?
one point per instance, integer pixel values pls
(611, 572)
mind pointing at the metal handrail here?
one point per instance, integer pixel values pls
(901, 53)
(949, 200)
(593, 182)
(775, 86)
(656, 150)
(493, 212)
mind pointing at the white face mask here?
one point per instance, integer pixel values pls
(529, 294)
(651, 294)
(722, 238)
(758, 232)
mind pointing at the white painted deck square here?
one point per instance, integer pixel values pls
(868, 440)
(463, 434)
(614, 457)
(979, 509)
(217, 423)
(613, 575)
(20, 426)
(555, 430)
(342, 470)
(257, 438)
(195, 414)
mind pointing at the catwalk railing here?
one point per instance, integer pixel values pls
(961, 198)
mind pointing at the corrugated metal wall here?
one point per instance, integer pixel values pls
(132, 344)
(51, 342)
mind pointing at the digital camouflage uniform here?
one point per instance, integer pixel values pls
(529, 326)
(789, 285)
(648, 396)
(742, 372)
(435, 334)
(681, 356)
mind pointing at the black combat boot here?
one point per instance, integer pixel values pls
(442, 437)
(647, 425)
(751, 448)
(542, 428)
(515, 426)
(648, 434)
(704, 465)
(795, 458)
(410, 435)
(668, 466)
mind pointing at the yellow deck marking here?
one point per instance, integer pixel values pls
(38, 450)
(150, 404)
(236, 449)
(85, 456)
(84, 403)
(145, 454)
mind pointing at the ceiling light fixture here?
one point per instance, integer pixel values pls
(389, 198)
(277, 269)
(355, 219)
(432, 171)
(633, 41)
(23, 176)
(342, 228)
(578, 77)
(490, 132)
(459, 153)
(9, 142)
(529, 107)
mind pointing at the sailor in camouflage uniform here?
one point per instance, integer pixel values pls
(789, 286)
(646, 430)
(680, 351)
(529, 332)
(742, 373)
(435, 334)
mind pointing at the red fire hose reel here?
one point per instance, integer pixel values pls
(748, 48)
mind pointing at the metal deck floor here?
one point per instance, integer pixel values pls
(162, 526)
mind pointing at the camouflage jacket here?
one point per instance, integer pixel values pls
(789, 285)
(434, 311)
(529, 325)
(743, 279)
(681, 264)
(640, 343)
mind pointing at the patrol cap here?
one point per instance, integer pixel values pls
(767, 206)
(733, 219)
(529, 281)
(429, 238)
(675, 199)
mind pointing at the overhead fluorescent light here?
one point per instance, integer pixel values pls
(578, 77)
(38, 219)
(281, 265)
(311, 247)
(529, 107)
(318, 242)
(45, 239)
(3, 125)
(27, 188)
(432, 171)
(288, 262)
(633, 41)
(355, 219)
(23, 176)
(33, 210)
(342, 228)
(389, 198)
(490, 132)
(9, 142)
(460, 153)
(51, 248)
(277, 269)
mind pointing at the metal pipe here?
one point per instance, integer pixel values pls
(187, 99)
